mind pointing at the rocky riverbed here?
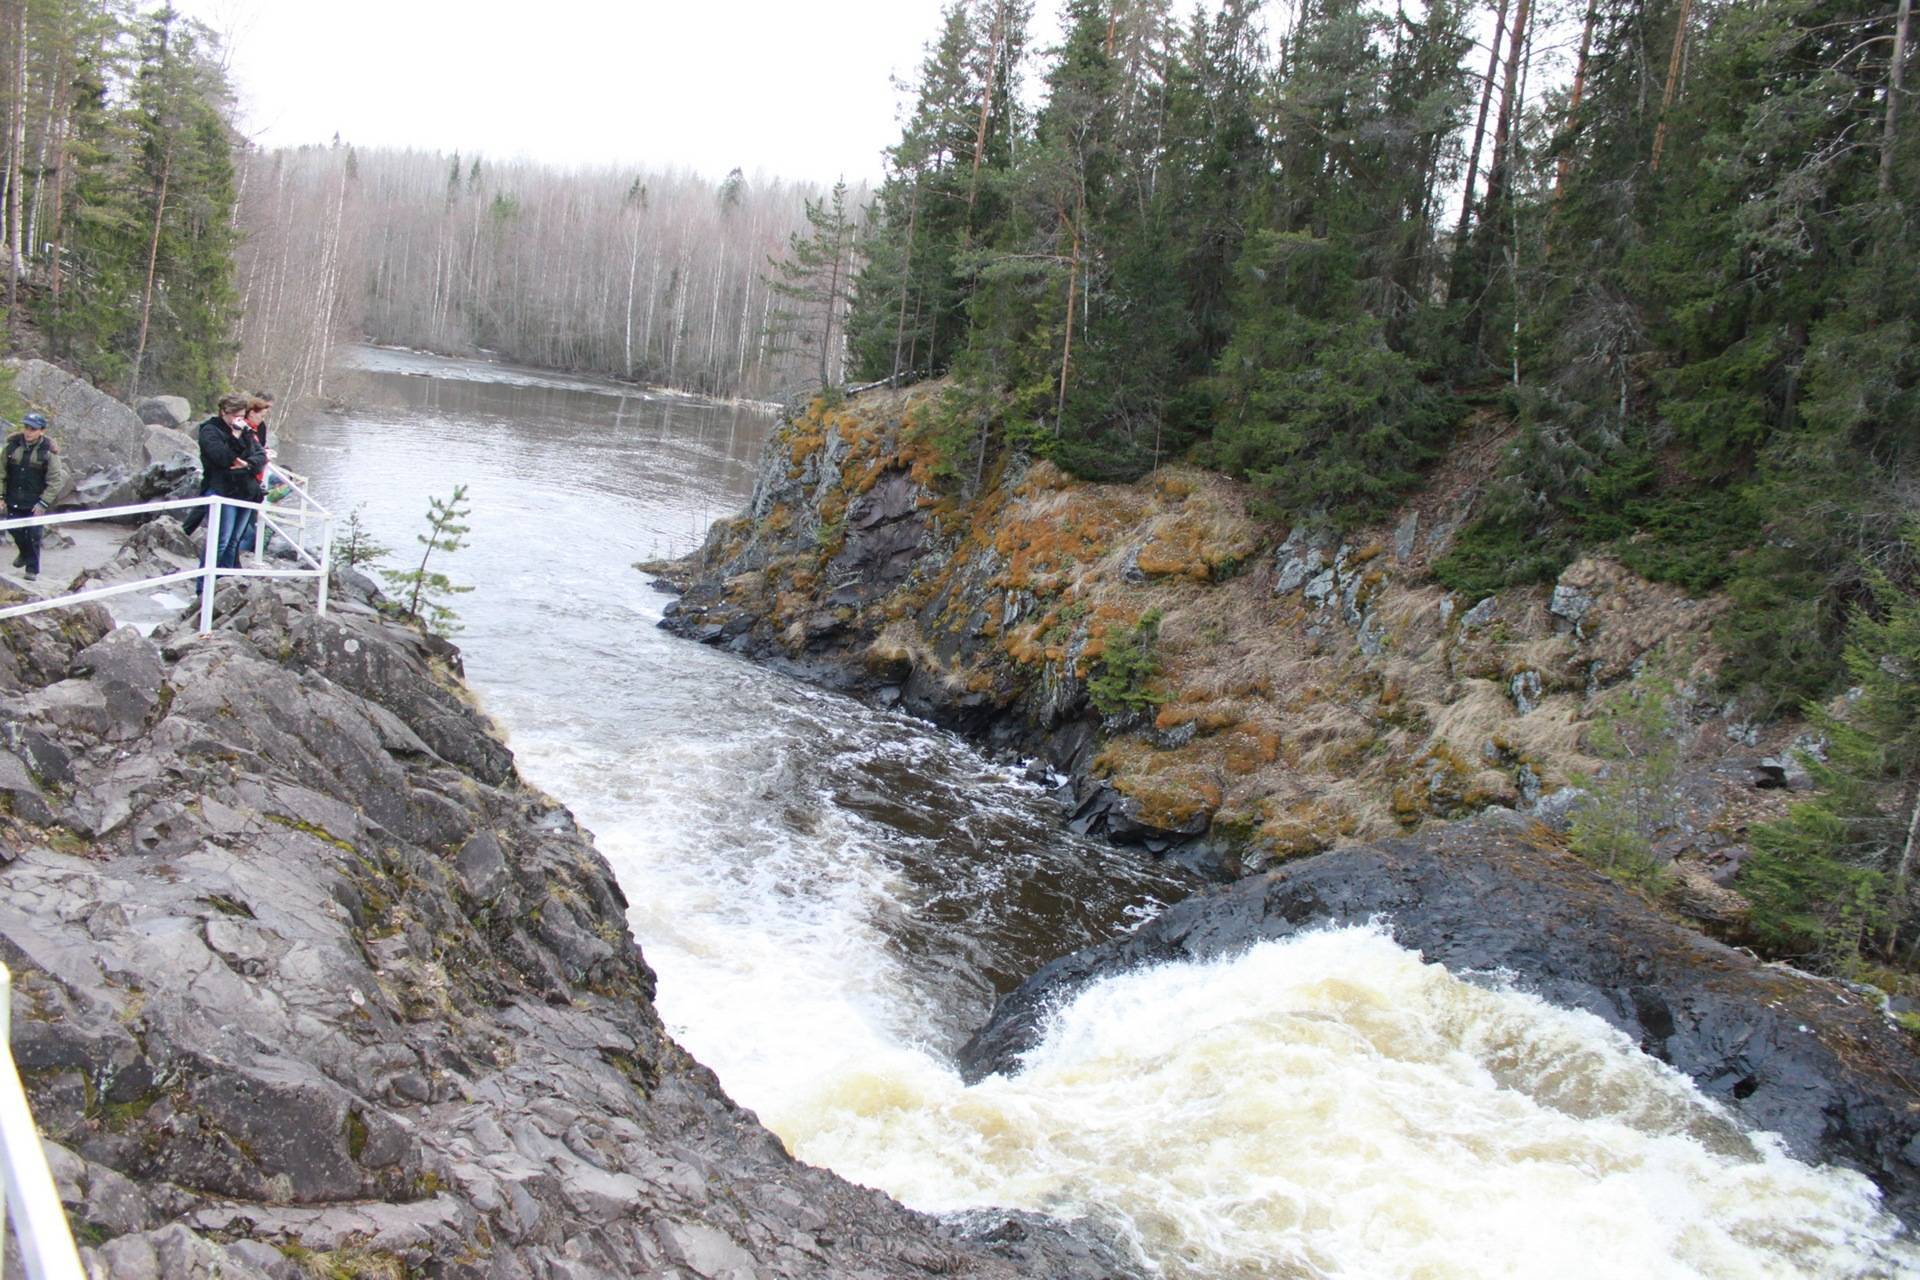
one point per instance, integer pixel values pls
(309, 981)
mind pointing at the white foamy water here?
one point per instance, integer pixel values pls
(1332, 1106)
(833, 897)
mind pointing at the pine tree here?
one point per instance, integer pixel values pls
(184, 157)
(1313, 405)
(815, 281)
(427, 590)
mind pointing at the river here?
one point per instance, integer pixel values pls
(833, 896)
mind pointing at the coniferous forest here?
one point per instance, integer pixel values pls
(1668, 244)
(1671, 239)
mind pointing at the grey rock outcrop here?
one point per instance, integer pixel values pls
(117, 456)
(165, 411)
(101, 438)
(304, 970)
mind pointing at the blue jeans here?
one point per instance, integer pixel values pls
(236, 533)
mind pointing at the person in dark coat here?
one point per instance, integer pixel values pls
(35, 479)
(230, 457)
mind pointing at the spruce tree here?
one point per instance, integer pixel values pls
(1834, 879)
(814, 281)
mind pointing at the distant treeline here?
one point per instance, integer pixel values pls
(656, 276)
(156, 250)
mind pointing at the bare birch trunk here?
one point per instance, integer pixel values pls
(633, 271)
(1890, 134)
(16, 155)
(330, 288)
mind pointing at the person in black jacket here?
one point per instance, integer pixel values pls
(230, 456)
(35, 479)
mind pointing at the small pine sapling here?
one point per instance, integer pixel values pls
(426, 591)
(356, 545)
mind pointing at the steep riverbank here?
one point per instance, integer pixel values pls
(1209, 683)
(307, 977)
(1246, 698)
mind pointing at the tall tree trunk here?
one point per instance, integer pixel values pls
(58, 213)
(633, 271)
(1673, 82)
(1480, 129)
(330, 287)
(1066, 345)
(906, 276)
(1890, 134)
(16, 152)
(986, 104)
(1497, 178)
(1573, 101)
(49, 131)
(153, 262)
(833, 306)
(1903, 868)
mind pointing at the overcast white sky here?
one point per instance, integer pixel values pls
(795, 88)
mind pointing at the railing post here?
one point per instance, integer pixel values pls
(6, 1045)
(209, 563)
(326, 563)
(46, 1242)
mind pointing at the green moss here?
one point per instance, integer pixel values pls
(313, 829)
(355, 1131)
(118, 1117)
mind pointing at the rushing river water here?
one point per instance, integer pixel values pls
(833, 896)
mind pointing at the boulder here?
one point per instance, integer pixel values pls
(165, 411)
(172, 451)
(117, 457)
(102, 440)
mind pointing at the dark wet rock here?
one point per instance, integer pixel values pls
(1796, 1055)
(300, 962)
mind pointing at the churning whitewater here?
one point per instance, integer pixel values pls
(1330, 1105)
(833, 896)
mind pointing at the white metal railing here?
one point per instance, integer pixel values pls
(281, 518)
(27, 1190)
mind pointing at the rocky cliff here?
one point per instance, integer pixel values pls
(1283, 690)
(309, 982)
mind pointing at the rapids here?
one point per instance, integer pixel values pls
(833, 897)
